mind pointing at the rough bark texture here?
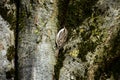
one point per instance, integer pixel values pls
(92, 50)
(6, 51)
(7, 24)
(36, 44)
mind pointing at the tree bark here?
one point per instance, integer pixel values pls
(6, 51)
(7, 25)
(91, 52)
(36, 40)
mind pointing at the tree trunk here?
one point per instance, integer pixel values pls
(7, 25)
(92, 49)
(36, 46)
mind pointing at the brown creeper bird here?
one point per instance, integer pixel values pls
(61, 38)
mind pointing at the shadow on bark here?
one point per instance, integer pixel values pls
(110, 65)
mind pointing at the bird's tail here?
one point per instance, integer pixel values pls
(56, 53)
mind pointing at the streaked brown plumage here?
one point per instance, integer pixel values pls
(61, 39)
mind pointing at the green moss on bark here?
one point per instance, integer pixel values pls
(10, 53)
(8, 12)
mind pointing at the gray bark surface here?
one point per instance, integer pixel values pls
(36, 44)
(6, 57)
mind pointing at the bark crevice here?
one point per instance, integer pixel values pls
(59, 64)
(16, 39)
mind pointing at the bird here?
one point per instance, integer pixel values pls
(61, 38)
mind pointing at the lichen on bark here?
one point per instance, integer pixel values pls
(6, 51)
(95, 37)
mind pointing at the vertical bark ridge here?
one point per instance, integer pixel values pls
(37, 25)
